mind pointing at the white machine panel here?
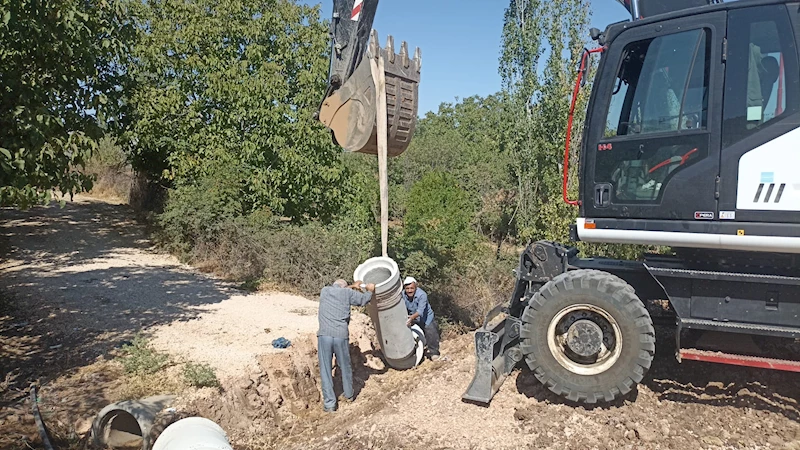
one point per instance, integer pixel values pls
(769, 175)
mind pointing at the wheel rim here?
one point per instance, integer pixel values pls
(585, 339)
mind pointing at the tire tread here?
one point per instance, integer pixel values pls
(625, 295)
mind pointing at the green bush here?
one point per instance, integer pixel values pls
(300, 258)
(200, 375)
(196, 213)
(438, 212)
(311, 256)
(139, 359)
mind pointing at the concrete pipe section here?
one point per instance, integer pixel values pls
(127, 424)
(193, 433)
(402, 346)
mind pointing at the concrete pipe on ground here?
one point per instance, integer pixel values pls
(402, 346)
(195, 433)
(127, 424)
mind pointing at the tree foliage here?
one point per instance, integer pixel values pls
(435, 226)
(466, 140)
(542, 44)
(60, 78)
(439, 212)
(226, 89)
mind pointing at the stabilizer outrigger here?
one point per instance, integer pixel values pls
(498, 348)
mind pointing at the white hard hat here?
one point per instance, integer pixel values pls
(408, 281)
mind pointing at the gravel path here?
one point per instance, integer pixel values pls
(86, 278)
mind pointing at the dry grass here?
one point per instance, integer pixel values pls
(167, 381)
(113, 183)
(200, 375)
(114, 176)
(451, 330)
(148, 372)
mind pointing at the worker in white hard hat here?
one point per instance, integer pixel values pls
(420, 313)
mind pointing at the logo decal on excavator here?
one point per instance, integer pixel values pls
(704, 215)
(768, 195)
(604, 147)
(356, 10)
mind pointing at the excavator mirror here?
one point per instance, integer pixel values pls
(582, 66)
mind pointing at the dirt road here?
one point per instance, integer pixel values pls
(76, 283)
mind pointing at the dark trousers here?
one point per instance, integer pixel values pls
(432, 338)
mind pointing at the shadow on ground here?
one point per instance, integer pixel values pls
(77, 282)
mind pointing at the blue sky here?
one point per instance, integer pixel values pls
(459, 39)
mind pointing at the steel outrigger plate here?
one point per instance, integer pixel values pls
(497, 352)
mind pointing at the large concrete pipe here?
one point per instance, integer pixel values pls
(193, 433)
(127, 424)
(402, 346)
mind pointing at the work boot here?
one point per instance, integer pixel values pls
(435, 357)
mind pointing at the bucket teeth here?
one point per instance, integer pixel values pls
(390, 48)
(404, 54)
(418, 59)
(374, 45)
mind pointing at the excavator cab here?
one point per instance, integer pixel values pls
(349, 107)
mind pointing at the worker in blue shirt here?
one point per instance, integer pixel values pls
(420, 313)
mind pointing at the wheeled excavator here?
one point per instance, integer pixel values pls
(691, 141)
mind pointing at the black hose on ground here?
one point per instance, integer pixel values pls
(39, 422)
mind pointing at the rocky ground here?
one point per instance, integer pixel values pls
(77, 283)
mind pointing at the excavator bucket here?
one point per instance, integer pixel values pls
(349, 108)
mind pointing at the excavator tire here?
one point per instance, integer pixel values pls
(587, 336)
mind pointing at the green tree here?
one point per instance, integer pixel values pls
(60, 73)
(464, 139)
(542, 44)
(228, 88)
(436, 224)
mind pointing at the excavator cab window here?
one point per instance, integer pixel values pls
(672, 95)
(661, 88)
(760, 85)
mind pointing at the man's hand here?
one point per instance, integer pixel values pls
(371, 287)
